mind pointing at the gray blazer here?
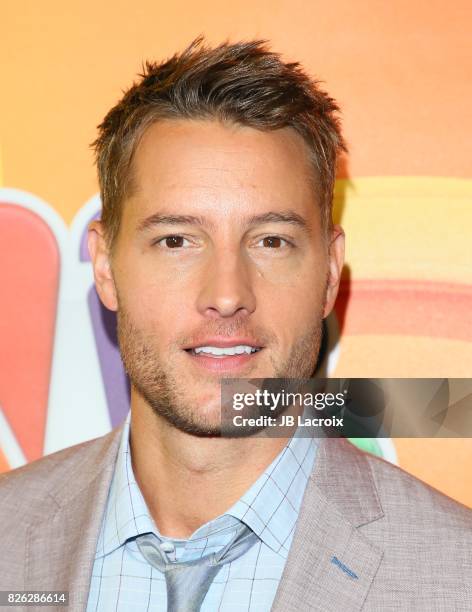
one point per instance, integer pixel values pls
(369, 536)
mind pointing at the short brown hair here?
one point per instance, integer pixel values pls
(243, 83)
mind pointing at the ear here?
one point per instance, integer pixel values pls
(101, 262)
(336, 262)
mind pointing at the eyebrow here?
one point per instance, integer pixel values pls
(288, 216)
(159, 219)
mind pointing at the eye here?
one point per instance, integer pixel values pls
(174, 241)
(273, 242)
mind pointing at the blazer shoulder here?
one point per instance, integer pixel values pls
(25, 491)
(397, 489)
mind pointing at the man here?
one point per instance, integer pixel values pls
(217, 250)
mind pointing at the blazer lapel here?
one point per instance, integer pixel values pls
(331, 565)
(60, 547)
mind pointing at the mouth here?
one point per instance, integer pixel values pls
(224, 356)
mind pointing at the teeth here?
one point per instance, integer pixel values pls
(230, 350)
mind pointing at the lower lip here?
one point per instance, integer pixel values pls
(228, 363)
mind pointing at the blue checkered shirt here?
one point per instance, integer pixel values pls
(122, 580)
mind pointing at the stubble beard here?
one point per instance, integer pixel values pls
(164, 392)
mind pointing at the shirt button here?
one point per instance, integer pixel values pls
(167, 547)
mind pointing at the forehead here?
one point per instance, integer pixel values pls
(220, 168)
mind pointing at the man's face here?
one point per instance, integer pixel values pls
(220, 246)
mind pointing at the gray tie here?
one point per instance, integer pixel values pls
(188, 582)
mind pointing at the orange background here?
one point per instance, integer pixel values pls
(401, 73)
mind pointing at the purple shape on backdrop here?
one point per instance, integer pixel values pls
(114, 377)
(83, 249)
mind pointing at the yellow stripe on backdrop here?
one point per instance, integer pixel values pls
(407, 227)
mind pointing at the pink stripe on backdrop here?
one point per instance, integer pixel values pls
(406, 307)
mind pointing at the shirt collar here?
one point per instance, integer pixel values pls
(269, 507)
(126, 514)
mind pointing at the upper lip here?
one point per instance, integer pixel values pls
(225, 342)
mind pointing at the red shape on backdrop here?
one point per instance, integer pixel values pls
(29, 281)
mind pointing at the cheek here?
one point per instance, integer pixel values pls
(149, 286)
(297, 307)
(280, 273)
(293, 312)
(143, 302)
(302, 272)
(294, 288)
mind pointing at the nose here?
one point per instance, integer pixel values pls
(226, 288)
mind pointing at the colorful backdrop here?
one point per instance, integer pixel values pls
(401, 72)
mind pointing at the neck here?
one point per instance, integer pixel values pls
(186, 480)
